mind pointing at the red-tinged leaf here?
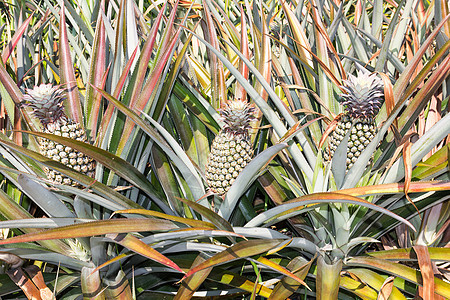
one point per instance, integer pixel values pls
(218, 86)
(190, 222)
(146, 55)
(213, 217)
(240, 250)
(97, 74)
(240, 92)
(272, 265)
(396, 188)
(192, 283)
(264, 63)
(426, 269)
(106, 119)
(15, 39)
(406, 75)
(67, 73)
(299, 36)
(425, 93)
(136, 245)
(26, 285)
(10, 85)
(329, 44)
(93, 228)
(147, 91)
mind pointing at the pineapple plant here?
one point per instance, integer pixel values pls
(46, 101)
(362, 100)
(231, 149)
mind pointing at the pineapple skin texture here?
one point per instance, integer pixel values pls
(228, 156)
(64, 154)
(362, 133)
(231, 149)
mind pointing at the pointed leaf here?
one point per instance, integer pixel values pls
(272, 265)
(115, 163)
(145, 212)
(93, 228)
(246, 178)
(321, 198)
(213, 217)
(15, 39)
(442, 288)
(67, 72)
(240, 250)
(133, 243)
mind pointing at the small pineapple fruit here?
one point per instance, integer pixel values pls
(231, 150)
(362, 100)
(47, 104)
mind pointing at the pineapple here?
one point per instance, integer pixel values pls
(47, 104)
(231, 149)
(362, 101)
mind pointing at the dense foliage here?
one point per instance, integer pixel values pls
(148, 83)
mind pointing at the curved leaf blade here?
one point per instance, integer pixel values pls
(93, 228)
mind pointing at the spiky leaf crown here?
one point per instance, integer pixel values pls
(46, 101)
(237, 115)
(363, 95)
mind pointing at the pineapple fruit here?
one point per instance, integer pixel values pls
(231, 149)
(362, 100)
(46, 102)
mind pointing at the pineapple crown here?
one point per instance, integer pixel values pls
(363, 95)
(237, 115)
(46, 101)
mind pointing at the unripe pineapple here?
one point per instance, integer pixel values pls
(362, 100)
(47, 104)
(231, 149)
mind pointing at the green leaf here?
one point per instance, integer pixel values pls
(327, 278)
(246, 178)
(300, 202)
(441, 287)
(179, 158)
(68, 73)
(240, 250)
(132, 243)
(93, 228)
(115, 163)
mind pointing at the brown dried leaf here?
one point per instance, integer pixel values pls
(386, 289)
(21, 280)
(426, 270)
